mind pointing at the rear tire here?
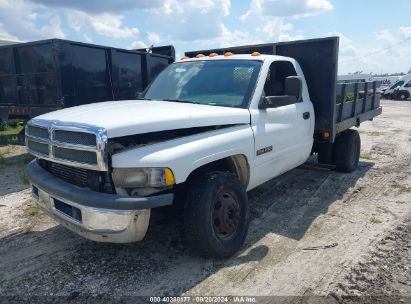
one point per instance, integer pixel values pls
(347, 149)
(216, 215)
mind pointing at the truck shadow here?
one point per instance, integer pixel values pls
(56, 260)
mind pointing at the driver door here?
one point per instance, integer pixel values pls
(283, 135)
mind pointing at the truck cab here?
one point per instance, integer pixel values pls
(206, 130)
(402, 89)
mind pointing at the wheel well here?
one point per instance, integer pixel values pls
(236, 164)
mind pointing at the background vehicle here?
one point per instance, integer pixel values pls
(43, 76)
(401, 83)
(385, 81)
(353, 78)
(402, 89)
(210, 129)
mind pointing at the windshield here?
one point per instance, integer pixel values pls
(397, 84)
(228, 83)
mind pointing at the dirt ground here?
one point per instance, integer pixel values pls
(315, 234)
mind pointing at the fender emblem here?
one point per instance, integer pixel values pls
(264, 150)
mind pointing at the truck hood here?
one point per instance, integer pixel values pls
(129, 117)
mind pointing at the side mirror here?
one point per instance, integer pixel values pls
(292, 94)
(293, 86)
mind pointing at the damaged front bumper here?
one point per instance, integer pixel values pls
(96, 216)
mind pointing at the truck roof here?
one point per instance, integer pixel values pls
(261, 57)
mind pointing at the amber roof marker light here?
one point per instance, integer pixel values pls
(213, 55)
(228, 54)
(200, 55)
(255, 54)
(184, 58)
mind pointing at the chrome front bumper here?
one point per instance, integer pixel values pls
(96, 216)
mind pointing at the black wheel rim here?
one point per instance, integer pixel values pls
(225, 214)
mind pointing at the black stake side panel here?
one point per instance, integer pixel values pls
(318, 59)
(42, 76)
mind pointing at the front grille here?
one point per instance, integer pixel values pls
(38, 132)
(68, 143)
(76, 138)
(72, 175)
(79, 156)
(84, 178)
(38, 147)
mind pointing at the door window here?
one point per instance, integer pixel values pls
(278, 72)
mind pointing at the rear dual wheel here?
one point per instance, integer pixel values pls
(347, 149)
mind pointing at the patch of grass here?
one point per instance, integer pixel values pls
(385, 194)
(372, 133)
(375, 133)
(29, 228)
(382, 274)
(366, 155)
(23, 176)
(10, 129)
(400, 187)
(400, 202)
(33, 211)
(375, 220)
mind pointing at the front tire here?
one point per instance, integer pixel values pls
(347, 149)
(403, 95)
(216, 215)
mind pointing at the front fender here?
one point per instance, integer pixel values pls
(184, 155)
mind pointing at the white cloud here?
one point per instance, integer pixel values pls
(100, 6)
(153, 38)
(20, 20)
(390, 56)
(185, 20)
(405, 31)
(386, 37)
(289, 8)
(5, 35)
(137, 45)
(105, 24)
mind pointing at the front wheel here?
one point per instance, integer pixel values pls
(347, 149)
(403, 95)
(216, 215)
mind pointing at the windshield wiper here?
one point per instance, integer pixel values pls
(179, 100)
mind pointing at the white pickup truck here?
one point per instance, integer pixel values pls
(207, 130)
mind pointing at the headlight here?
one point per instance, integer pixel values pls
(143, 177)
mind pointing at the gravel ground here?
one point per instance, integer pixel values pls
(358, 224)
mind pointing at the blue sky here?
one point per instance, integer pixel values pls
(375, 35)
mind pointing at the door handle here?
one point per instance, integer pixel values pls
(306, 115)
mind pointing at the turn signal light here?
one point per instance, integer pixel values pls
(228, 54)
(326, 135)
(255, 54)
(213, 55)
(184, 58)
(200, 55)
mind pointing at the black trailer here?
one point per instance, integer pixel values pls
(337, 107)
(43, 76)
